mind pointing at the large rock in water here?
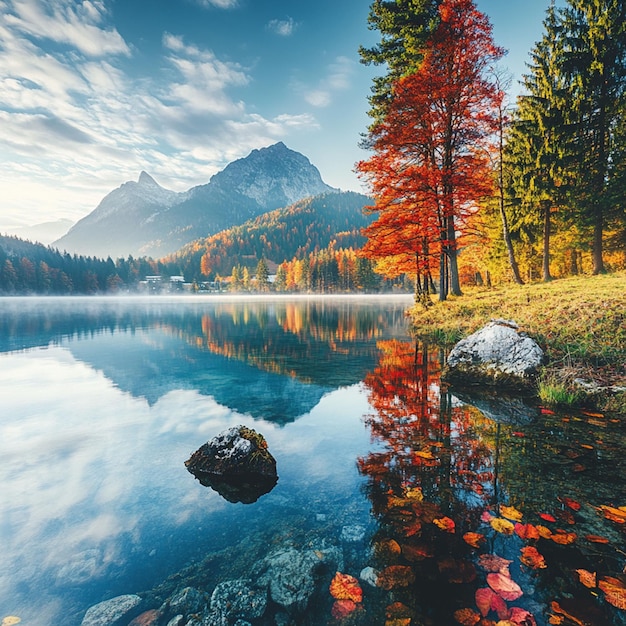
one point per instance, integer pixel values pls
(498, 354)
(236, 463)
(114, 612)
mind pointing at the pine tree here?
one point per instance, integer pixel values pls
(404, 27)
(594, 62)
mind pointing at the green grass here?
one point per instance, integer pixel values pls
(580, 323)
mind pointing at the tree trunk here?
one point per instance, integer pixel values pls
(455, 283)
(505, 224)
(546, 241)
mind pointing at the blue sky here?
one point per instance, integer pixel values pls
(94, 92)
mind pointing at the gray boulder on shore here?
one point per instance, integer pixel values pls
(498, 354)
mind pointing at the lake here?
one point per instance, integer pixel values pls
(447, 506)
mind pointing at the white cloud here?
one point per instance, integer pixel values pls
(220, 4)
(67, 22)
(338, 77)
(284, 28)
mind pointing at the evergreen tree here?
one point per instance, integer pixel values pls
(536, 142)
(594, 63)
(404, 27)
(262, 276)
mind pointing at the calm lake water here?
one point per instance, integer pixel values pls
(102, 401)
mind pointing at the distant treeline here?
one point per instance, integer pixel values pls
(33, 269)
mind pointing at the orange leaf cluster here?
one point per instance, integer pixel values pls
(445, 523)
(526, 531)
(614, 591)
(473, 539)
(346, 587)
(532, 558)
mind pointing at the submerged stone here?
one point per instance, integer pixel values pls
(236, 463)
(498, 354)
(114, 612)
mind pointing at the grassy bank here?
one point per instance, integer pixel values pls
(580, 323)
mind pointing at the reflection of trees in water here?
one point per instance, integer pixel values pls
(441, 472)
(283, 337)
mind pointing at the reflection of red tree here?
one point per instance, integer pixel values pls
(429, 479)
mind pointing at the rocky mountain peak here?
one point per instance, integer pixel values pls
(146, 180)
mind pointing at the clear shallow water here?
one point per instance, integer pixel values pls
(103, 401)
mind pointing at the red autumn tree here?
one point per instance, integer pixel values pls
(430, 166)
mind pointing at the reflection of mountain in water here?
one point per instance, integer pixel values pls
(272, 359)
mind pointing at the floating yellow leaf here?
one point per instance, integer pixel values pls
(502, 525)
(510, 512)
(11, 620)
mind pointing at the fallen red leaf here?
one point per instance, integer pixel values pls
(547, 517)
(522, 617)
(504, 586)
(596, 539)
(526, 531)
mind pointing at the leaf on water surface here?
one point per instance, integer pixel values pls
(467, 617)
(502, 525)
(494, 563)
(342, 608)
(614, 514)
(614, 591)
(544, 531)
(504, 586)
(545, 411)
(522, 617)
(587, 578)
(546, 517)
(488, 600)
(526, 531)
(596, 539)
(395, 576)
(483, 597)
(564, 538)
(532, 558)
(346, 587)
(473, 539)
(445, 523)
(511, 513)
(592, 414)
(11, 620)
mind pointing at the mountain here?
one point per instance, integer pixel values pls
(306, 226)
(144, 219)
(44, 233)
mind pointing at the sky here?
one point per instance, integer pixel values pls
(93, 92)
